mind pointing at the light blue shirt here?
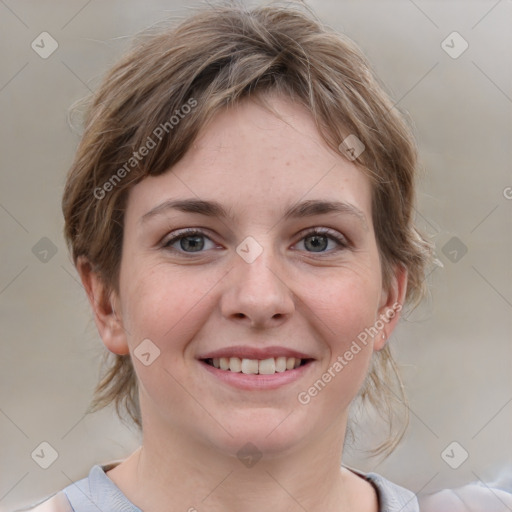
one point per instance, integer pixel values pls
(99, 492)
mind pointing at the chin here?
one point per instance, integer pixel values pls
(272, 434)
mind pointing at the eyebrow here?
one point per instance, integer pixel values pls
(304, 209)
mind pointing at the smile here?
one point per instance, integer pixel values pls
(267, 366)
(258, 374)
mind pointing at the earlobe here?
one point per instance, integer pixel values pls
(391, 305)
(106, 312)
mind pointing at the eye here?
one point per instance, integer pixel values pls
(317, 240)
(188, 240)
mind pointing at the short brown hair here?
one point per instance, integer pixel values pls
(221, 55)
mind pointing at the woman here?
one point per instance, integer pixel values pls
(240, 212)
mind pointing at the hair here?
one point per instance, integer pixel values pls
(217, 57)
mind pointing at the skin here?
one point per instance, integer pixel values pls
(256, 164)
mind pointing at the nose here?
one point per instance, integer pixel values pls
(257, 293)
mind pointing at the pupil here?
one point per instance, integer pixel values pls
(194, 243)
(317, 242)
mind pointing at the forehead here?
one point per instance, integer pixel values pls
(252, 159)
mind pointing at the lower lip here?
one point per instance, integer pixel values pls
(256, 381)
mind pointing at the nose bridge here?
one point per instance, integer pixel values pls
(256, 268)
(257, 290)
(261, 269)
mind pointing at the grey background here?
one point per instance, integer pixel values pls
(455, 350)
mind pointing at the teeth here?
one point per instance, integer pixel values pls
(267, 366)
(255, 366)
(280, 364)
(249, 366)
(235, 364)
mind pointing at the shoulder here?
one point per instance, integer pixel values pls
(473, 497)
(98, 491)
(392, 497)
(95, 492)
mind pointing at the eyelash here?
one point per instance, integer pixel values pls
(329, 233)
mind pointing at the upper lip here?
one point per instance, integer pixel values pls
(244, 352)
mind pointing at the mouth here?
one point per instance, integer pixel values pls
(268, 366)
(257, 368)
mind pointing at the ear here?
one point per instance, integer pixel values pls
(390, 306)
(105, 306)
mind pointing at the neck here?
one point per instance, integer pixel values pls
(193, 476)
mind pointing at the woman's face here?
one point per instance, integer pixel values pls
(281, 261)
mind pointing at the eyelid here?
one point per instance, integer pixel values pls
(342, 241)
(182, 233)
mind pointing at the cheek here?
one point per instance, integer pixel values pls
(163, 304)
(166, 306)
(346, 302)
(345, 308)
